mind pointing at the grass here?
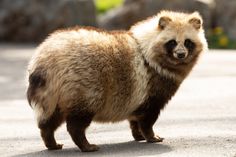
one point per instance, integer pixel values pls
(104, 5)
(217, 39)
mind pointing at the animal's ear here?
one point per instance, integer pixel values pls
(163, 22)
(196, 22)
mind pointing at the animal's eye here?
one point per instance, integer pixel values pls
(189, 44)
(171, 43)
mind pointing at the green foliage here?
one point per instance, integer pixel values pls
(217, 39)
(104, 5)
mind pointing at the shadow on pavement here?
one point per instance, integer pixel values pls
(131, 148)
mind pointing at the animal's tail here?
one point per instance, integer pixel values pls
(40, 96)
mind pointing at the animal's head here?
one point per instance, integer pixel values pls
(171, 40)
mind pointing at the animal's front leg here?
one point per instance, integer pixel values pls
(147, 131)
(147, 118)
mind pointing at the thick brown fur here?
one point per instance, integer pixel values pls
(86, 74)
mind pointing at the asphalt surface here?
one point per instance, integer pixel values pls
(199, 121)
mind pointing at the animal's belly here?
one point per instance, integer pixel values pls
(120, 105)
(112, 115)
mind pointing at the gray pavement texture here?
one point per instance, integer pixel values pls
(199, 121)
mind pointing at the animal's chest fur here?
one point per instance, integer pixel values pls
(161, 91)
(163, 87)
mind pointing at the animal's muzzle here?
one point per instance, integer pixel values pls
(180, 54)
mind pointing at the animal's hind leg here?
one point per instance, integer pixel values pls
(77, 122)
(136, 130)
(47, 129)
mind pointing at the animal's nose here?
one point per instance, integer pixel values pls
(181, 55)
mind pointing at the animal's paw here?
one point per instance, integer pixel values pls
(155, 139)
(55, 147)
(139, 138)
(90, 148)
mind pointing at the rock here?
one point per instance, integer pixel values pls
(33, 20)
(136, 10)
(225, 17)
(122, 17)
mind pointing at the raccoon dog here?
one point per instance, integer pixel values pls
(84, 74)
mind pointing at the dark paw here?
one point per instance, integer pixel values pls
(139, 138)
(155, 139)
(90, 148)
(55, 147)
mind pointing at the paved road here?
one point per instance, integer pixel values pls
(199, 121)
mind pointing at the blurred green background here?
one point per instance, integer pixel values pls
(104, 5)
